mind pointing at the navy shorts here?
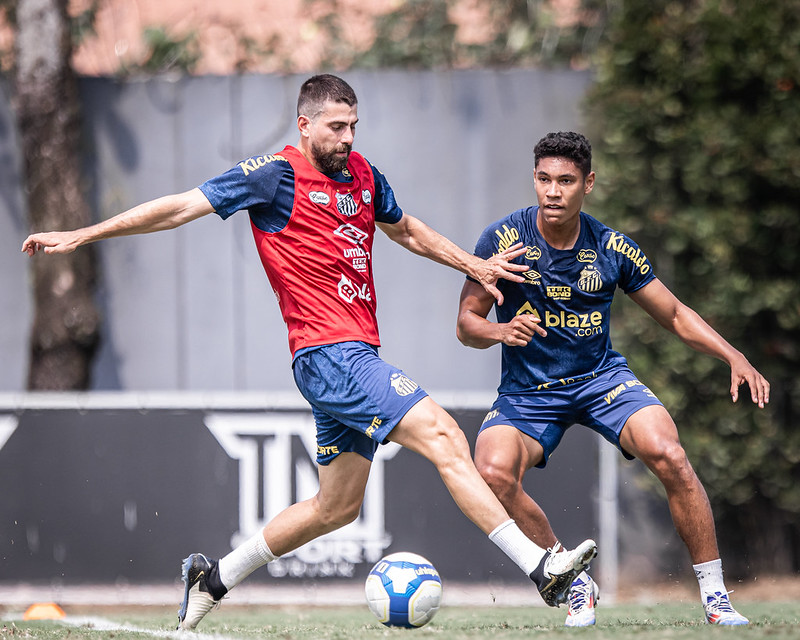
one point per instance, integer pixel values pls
(356, 397)
(603, 403)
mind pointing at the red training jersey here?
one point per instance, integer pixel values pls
(320, 263)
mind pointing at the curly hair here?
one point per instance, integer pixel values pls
(565, 144)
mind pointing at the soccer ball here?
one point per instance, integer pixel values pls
(404, 590)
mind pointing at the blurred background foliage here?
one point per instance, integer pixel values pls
(695, 118)
(430, 34)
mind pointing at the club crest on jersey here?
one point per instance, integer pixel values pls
(346, 204)
(319, 197)
(590, 279)
(403, 385)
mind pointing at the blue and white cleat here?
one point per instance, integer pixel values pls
(719, 610)
(583, 598)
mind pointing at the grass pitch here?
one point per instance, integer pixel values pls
(773, 621)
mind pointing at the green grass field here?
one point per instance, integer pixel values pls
(773, 621)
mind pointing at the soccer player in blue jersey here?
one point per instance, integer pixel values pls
(314, 208)
(558, 367)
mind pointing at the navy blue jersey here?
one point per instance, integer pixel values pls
(264, 186)
(570, 291)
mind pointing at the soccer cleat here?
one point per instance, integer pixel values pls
(719, 610)
(583, 597)
(558, 569)
(198, 574)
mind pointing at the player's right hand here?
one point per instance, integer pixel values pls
(521, 329)
(51, 242)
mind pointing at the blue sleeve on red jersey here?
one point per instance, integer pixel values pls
(263, 185)
(386, 207)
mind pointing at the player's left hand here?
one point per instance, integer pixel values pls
(500, 266)
(742, 371)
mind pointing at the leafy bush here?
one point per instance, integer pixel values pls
(695, 118)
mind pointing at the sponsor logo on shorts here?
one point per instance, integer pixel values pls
(326, 451)
(623, 386)
(319, 197)
(376, 422)
(403, 385)
(491, 415)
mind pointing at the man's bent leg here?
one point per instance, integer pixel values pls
(341, 491)
(430, 431)
(503, 455)
(651, 435)
(338, 502)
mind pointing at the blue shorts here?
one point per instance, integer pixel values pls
(603, 403)
(356, 397)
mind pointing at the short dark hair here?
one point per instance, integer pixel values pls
(318, 90)
(565, 144)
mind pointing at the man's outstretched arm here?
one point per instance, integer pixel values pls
(657, 300)
(416, 236)
(163, 213)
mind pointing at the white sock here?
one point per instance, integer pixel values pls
(244, 559)
(709, 577)
(522, 550)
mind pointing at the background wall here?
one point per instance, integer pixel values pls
(121, 489)
(192, 309)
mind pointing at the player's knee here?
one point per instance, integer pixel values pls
(500, 480)
(669, 461)
(336, 514)
(446, 440)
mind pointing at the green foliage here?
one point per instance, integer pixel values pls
(423, 34)
(166, 53)
(696, 114)
(82, 24)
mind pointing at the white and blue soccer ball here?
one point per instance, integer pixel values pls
(404, 590)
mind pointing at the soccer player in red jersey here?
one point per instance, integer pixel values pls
(313, 209)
